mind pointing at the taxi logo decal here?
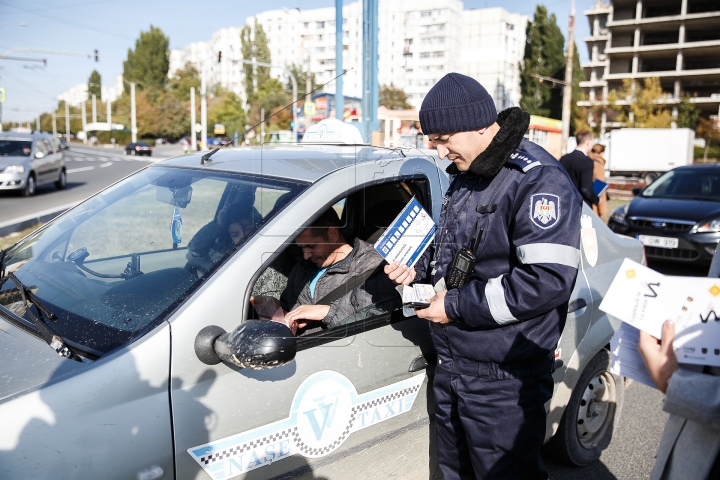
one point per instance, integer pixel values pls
(544, 209)
(326, 409)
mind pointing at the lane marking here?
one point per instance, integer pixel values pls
(83, 169)
(105, 165)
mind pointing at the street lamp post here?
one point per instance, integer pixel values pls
(193, 120)
(84, 127)
(203, 109)
(133, 120)
(94, 108)
(67, 122)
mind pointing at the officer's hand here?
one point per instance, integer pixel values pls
(436, 311)
(659, 355)
(400, 274)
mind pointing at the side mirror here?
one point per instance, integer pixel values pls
(39, 154)
(636, 191)
(256, 344)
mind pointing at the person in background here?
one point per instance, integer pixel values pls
(596, 154)
(580, 167)
(690, 443)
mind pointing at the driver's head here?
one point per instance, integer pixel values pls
(26, 150)
(322, 241)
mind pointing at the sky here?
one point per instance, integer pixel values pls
(78, 27)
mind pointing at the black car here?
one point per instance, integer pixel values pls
(677, 217)
(138, 148)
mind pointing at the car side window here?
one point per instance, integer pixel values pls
(40, 147)
(364, 216)
(49, 146)
(56, 145)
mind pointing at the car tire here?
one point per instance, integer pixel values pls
(590, 417)
(61, 182)
(127, 152)
(649, 177)
(30, 186)
(133, 152)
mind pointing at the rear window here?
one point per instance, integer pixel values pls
(15, 148)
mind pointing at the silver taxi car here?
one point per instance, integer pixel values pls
(122, 357)
(28, 160)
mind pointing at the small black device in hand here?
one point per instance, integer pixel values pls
(464, 262)
(416, 304)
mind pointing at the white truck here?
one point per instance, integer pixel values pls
(648, 152)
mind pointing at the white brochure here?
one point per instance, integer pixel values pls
(408, 236)
(644, 299)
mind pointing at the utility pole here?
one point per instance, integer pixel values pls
(193, 121)
(83, 123)
(67, 122)
(94, 108)
(133, 119)
(308, 89)
(54, 125)
(262, 126)
(339, 99)
(567, 91)
(37, 124)
(109, 116)
(203, 109)
(370, 97)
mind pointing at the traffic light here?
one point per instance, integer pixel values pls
(97, 55)
(219, 57)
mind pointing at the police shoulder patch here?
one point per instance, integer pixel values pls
(544, 209)
(523, 160)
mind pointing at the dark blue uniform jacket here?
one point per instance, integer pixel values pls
(513, 308)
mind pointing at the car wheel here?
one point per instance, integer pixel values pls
(649, 177)
(30, 186)
(587, 424)
(127, 152)
(133, 152)
(61, 182)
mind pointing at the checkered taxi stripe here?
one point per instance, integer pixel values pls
(259, 442)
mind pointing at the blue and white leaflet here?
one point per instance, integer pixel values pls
(408, 236)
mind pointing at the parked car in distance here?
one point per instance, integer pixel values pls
(138, 148)
(28, 160)
(63, 144)
(148, 384)
(677, 217)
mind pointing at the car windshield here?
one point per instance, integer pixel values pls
(686, 184)
(111, 268)
(15, 148)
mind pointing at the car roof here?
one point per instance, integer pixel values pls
(24, 136)
(698, 167)
(305, 162)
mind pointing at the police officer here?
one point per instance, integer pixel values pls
(513, 208)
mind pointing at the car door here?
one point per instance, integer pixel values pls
(347, 386)
(53, 160)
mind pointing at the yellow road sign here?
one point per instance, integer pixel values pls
(309, 108)
(2, 94)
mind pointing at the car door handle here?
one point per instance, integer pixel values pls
(576, 305)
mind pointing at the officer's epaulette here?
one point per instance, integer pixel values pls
(523, 160)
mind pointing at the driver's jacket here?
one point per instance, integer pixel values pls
(513, 307)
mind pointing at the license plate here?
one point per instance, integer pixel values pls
(660, 242)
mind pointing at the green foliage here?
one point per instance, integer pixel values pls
(229, 111)
(544, 55)
(184, 79)
(121, 137)
(688, 115)
(710, 132)
(301, 78)
(94, 83)
(393, 97)
(148, 64)
(259, 51)
(707, 152)
(647, 104)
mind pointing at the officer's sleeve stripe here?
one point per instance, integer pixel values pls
(496, 302)
(548, 253)
(531, 166)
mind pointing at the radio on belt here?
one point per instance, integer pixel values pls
(464, 261)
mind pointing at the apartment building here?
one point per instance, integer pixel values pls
(675, 40)
(76, 95)
(418, 43)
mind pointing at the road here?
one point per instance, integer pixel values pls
(90, 169)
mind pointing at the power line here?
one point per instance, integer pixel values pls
(67, 22)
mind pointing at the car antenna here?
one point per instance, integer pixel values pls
(282, 109)
(206, 158)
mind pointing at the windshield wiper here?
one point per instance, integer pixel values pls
(44, 329)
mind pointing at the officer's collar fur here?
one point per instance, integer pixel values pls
(513, 122)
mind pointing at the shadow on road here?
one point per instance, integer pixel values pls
(594, 471)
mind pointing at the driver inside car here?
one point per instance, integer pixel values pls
(335, 280)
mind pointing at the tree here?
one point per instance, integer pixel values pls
(709, 132)
(94, 83)
(229, 111)
(544, 55)
(647, 107)
(184, 79)
(258, 47)
(393, 97)
(149, 63)
(688, 115)
(301, 78)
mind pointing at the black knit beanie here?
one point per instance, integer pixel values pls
(457, 103)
